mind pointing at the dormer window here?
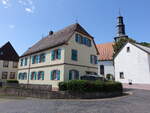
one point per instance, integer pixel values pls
(128, 49)
(83, 40)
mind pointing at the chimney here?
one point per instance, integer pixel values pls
(51, 33)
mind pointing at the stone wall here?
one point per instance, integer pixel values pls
(54, 94)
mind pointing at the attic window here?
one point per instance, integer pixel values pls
(128, 49)
(1, 53)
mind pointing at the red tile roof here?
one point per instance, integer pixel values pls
(105, 51)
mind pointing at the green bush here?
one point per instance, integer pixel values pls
(12, 81)
(90, 86)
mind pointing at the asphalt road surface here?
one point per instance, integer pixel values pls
(138, 102)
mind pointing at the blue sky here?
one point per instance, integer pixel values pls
(24, 22)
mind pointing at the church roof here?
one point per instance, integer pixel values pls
(144, 48)
(105, 51)
(7, 52)
(56, 39)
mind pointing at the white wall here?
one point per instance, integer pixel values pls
(134, 65)
(108, 67)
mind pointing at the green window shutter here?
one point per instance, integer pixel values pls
(74, 55)
(19, 76)
(34, 75)
(96, 60)
(89, 43)
(32, 59)
(84, 40)
(42, 75)
(44, 57)
(91, 59)
(70, 75)
(76, 38)
(59, 53)
(52, 55)
(51, 74)
(26, 60)
(37, 59)
(58, 74)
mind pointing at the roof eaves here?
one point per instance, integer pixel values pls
(42, 50)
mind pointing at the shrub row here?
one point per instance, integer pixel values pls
(90, 86)
(12, 81)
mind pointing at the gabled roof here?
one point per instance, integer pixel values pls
(56, 39)
(143, 48)
(105, 51)
(7, 52)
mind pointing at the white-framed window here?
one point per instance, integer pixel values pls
(93, 59)
(42, 57)
(33, 76)
(26, 61)
(73, 75)
(55, 75)
(82, 40)
(12, 75)
(5, 63)
(40, 75)
(21, 62)
(22, 76)
(4, 75)
(35, 59)
(15, 64)
(56, 54)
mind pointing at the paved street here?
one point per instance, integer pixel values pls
(138, 102)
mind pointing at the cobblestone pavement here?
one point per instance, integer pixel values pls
(138, 102)
(137, 86)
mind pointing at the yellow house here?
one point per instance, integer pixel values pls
(60, 56)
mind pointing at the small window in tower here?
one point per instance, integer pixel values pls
(128, 49)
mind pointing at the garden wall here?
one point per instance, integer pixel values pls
(35, 93)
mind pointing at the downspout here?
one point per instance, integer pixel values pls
(29, 71)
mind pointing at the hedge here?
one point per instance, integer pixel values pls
(90, 86)
(12, 81)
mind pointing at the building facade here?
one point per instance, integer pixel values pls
(132, 64)
(61, 56)
(8, 62)
(105, 60)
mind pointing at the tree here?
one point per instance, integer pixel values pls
(145, 44)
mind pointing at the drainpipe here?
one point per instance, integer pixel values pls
(29, 71)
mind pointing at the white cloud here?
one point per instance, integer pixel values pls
(11, 26)
(6, 3)
(30, 10)
(26, 4)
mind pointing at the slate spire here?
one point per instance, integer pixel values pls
(120, 28)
